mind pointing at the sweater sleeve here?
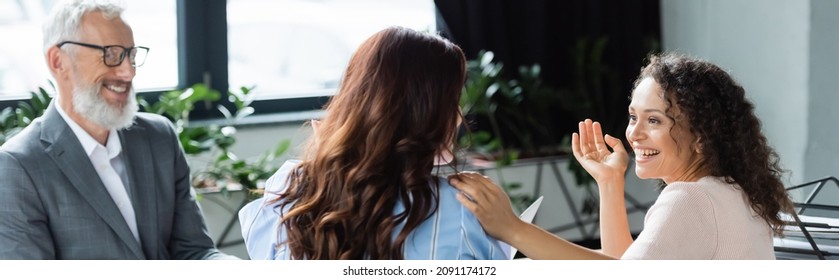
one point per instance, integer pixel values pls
(680, 225)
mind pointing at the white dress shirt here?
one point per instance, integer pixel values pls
(110, 167)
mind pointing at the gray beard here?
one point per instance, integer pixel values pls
(88, 103)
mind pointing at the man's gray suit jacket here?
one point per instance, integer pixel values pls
(53, 205)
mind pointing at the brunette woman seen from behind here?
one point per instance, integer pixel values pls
(365, 187)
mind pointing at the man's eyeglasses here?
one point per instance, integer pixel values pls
(114, 55)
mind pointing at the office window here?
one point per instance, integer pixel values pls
(22, 66)
(299, 48)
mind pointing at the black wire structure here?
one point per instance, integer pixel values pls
(813, 231)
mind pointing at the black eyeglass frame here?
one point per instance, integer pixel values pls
(126, 51)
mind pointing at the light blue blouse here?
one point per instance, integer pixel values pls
(451, 233)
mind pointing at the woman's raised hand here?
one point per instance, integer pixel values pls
(589, 147)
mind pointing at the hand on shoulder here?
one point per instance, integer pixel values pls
(488, 202)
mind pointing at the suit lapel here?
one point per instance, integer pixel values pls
(67, 153)
(138, 162)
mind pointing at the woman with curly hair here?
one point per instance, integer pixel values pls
(365, 188)
(691, 126)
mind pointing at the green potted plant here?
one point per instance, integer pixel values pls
(508, 119)
(14, 119)
(511, 118)
(225, 170)
(511, 115)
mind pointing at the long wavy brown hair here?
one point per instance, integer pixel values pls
(396, 109)
(731, 142)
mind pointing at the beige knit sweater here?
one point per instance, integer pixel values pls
(708, 219)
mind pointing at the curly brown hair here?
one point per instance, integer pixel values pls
(396, 109)
(731, 142)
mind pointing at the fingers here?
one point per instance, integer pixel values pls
(590, 139)
(584, 136)
(478, 189)
(575, 146)
(597, 134)
(615, 143)
(471, 185)
(467, 202)
(486, 182)
(470, 179)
